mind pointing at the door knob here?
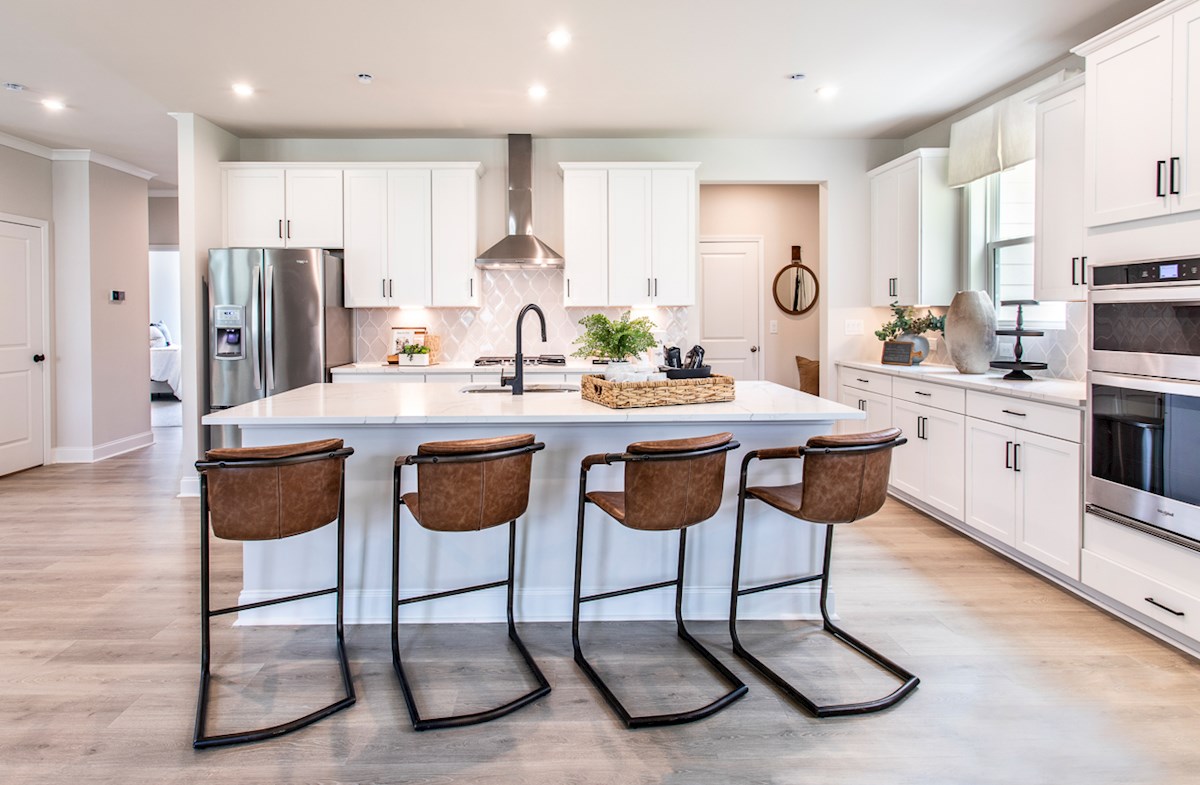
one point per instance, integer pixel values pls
(754, 348)
(37, 358)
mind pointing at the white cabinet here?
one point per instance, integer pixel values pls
(411, 236)
(278, 207)
(1142, 141)
(930, 466)
(914, 231)
(629, 234)
(1059, 259)
(878, 408)
(1024, 488)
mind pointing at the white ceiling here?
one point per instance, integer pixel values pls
(462, 67)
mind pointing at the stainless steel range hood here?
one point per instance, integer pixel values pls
(520, 250)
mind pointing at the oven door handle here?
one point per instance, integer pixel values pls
(1145, 383)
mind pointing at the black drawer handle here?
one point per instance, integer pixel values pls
(864, 381)
(1164, 607)
(927, 395)
(1159, 188)
(1014, 414)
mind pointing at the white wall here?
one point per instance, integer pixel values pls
(26, 184)
(72, 430)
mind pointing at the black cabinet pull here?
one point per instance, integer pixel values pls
(1074, 277)
(568, 287)
(1008, 455)
(280, 228)
(389, 287)
(1156, 604)
(383, 287)
(1016, 457)
(1015, 414)
(647, 287)
(864, 381)
(1083, 269)
(1162, 170)
(470, 287)
(927, 395)
(1174, 183)
(656, 287)
(862, 405)
(289, 230)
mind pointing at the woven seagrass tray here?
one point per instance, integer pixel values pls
(672, 392)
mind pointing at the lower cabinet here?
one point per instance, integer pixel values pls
(1024, 489)
(877, 406)
(930, 466)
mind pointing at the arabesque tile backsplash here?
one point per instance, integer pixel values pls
(468, 333)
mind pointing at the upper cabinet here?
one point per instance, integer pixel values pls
(629, 233)
(914, 231)
(454, 226)
(1059, 260)
(1142, 138)
(282, 207)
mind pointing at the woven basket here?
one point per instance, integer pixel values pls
(631, 395)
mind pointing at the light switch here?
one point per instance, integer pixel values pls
(854, 327)
(774, 327)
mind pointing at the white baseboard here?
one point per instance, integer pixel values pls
(102, 451)
(189, 487)
(537, 605)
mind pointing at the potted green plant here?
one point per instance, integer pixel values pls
(415, 353)
(907, 326)
(615, 340)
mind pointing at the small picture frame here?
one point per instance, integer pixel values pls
(897, 353)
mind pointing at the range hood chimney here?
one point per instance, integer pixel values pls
(520, 250)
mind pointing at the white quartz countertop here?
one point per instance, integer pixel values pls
(1062, 392)
(384, 403)
(572, 366)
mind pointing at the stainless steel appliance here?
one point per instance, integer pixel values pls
(1143, 462)
(276, 322)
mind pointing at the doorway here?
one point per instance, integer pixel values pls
(730, 295)
(23, 333)
(166, 408)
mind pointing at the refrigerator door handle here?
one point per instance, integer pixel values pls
(255, 359)
(269, 330)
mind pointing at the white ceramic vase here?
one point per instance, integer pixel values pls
(971, 331)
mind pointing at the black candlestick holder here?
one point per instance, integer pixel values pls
(1017, 367)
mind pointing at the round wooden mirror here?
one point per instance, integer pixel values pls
(795, 287)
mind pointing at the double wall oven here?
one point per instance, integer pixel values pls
(1143, 465)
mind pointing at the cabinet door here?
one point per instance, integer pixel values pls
(1049, 518)
(585, 237)
(878, 408)
(1128, 136)
(1185, 136)
(848, 396)
(409, 237)
(629, 239)
(673, 236)
(991, 482)
(254, 208)
(455, 246)
(945, 477)
(884, 235)
(1058, 231)
(314, 208)
(908, 461)
(365, 219)
(908, 234)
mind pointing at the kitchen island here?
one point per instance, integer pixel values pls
(382, 421)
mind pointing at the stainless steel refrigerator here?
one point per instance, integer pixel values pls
(275, 323)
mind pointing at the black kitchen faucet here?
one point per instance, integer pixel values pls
(517, 380)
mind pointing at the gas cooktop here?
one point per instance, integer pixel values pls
(538, 359)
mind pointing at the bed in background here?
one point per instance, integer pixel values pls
(164, 362)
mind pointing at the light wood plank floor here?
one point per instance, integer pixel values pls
(1021, 683)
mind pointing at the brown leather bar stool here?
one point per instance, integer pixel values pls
(844, 479)
(268, 493)
(670, 484)
(466, 486)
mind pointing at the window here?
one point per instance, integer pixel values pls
(999, 223)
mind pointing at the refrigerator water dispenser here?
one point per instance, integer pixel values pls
(229, 321)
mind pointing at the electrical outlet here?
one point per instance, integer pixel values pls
(774, 327)
(854, 327)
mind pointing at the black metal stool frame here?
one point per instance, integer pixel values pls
(199, 739)
(737, 687)
(459, 720)
(909, 681)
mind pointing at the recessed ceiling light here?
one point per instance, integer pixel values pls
(15, 87)
(796, 77)
(243, 89)
(54, 105)
(559, 39)
(537, 92)
(827, 92)
(365, 78)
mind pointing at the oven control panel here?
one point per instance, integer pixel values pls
(1164, 272)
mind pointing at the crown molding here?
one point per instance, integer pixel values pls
(25, 146)
(1133, 24)
(163, 192)
(102, 160)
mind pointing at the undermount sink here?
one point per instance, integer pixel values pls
(529, 388)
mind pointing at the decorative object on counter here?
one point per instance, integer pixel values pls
(795, 287)
(631, 395)
(810, 375)
(703, 372)
(413, 354)
(1017, 367)
(897, 353)
(617, 340)
(414, 346)
(695, 357)
(907, 327)
(671, 357)
(971, 331)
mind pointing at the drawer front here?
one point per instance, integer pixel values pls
(939, 396)
(1165, 604)
(866, 380)
(1164, 561)
(1057, 421)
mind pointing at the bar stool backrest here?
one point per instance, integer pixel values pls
(674, 489)
(281, 491)
(846, 476)
(473, 490)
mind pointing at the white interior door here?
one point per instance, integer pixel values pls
(22, 439)
(729, 308)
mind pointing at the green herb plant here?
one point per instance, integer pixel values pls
(614, 340)
(906, 321)
(414, 348)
